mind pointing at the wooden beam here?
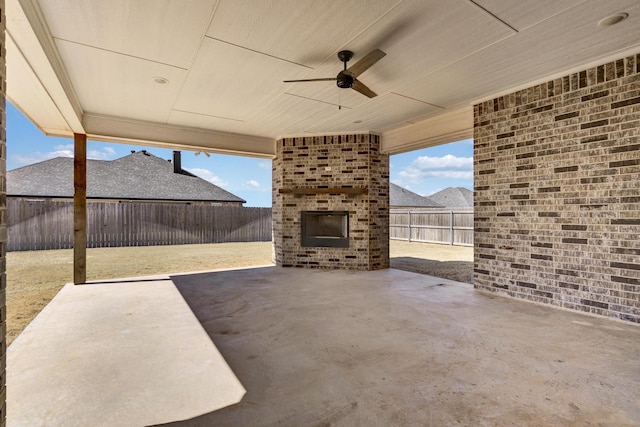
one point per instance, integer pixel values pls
(139, 132)
(79, 208)
(448, 127)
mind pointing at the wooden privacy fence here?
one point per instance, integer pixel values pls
(452, 227)
(36, 225)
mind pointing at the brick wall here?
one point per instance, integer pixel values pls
(557, 192)
(340, 161)
(3, 216)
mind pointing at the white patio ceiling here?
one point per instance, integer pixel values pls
(89, 66)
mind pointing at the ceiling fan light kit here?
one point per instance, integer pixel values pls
(347, 78)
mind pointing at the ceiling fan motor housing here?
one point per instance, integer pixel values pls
(344, 80)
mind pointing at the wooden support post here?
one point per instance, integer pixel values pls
(451, 230)
(79, 208)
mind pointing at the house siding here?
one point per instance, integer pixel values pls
(557, 192)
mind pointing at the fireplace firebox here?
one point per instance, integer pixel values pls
(325, 229)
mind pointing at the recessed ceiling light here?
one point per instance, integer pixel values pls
(357, 121)
(613, 19)
(160, 80)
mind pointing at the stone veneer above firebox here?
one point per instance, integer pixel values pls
(332, 173)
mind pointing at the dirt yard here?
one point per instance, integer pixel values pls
(35, 277)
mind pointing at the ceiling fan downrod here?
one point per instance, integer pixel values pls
(344, 80)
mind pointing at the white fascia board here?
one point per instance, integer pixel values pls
(28, 30)
(442, 129)
(119, 129)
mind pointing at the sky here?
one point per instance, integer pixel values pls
(424, 171)
(430, 170)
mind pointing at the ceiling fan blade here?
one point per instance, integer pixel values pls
(363, 89)
(328, 79)
(363, 65)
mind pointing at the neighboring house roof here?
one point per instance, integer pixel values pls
(454, 197)
(399, 196)
(138, 176)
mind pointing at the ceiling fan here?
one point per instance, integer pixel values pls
(347, 78)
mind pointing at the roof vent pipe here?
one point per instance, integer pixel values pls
(177, 162)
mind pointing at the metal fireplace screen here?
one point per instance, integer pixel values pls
(325, 229)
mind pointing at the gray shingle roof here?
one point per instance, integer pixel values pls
(399, 196)
(138, 176)
(454, 197)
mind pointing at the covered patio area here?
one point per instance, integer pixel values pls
(314, 347)
(548, 91)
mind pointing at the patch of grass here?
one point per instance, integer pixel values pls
(35, 277)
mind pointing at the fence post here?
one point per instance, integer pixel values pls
(409, 220)
(451, 228)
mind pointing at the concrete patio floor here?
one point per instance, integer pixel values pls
(317, 348)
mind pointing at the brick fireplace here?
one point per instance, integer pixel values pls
(331, 202)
